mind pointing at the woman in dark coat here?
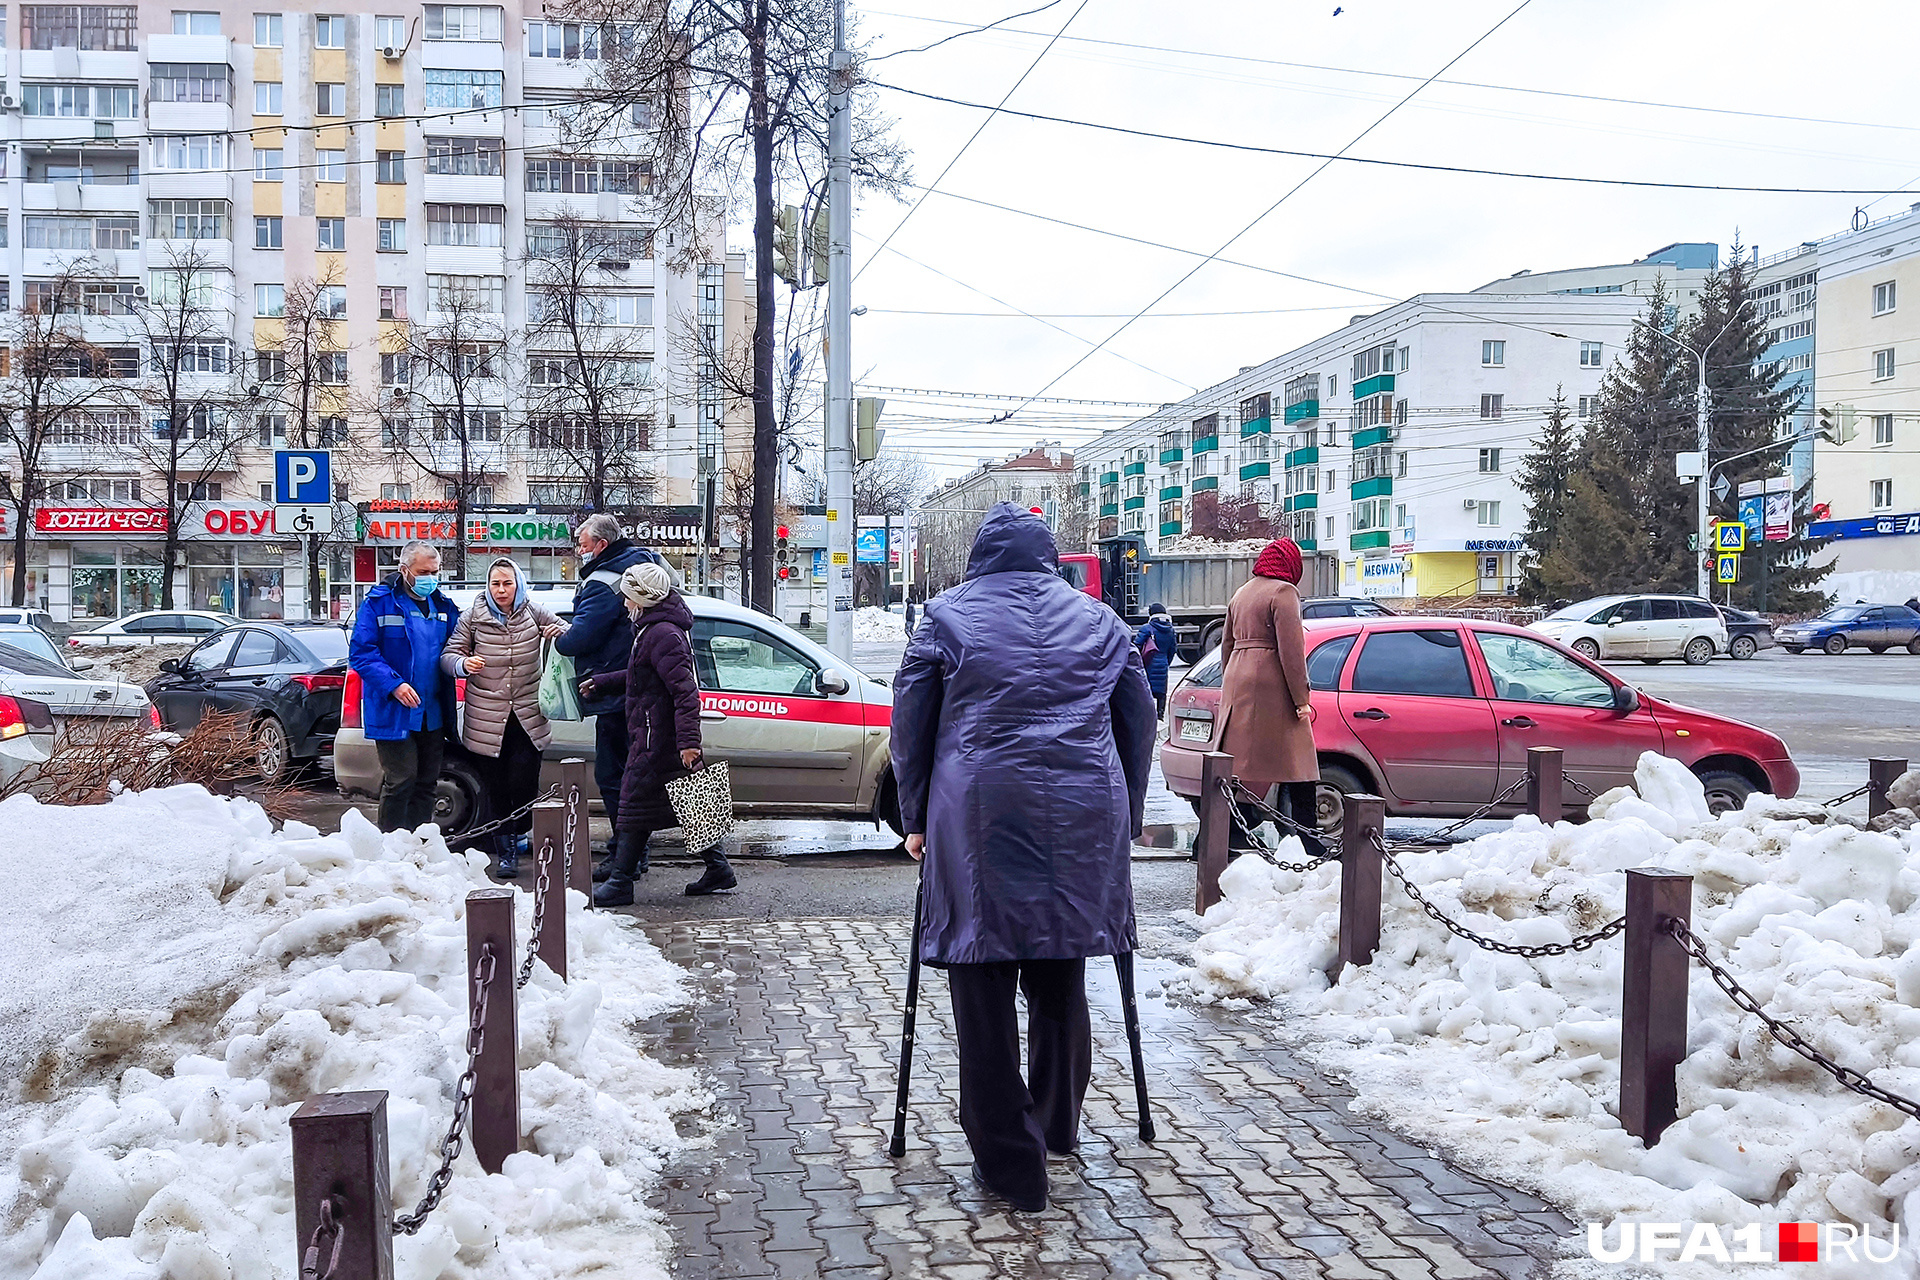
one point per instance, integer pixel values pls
(1157, 631)
(663, 729)
(1022, 740)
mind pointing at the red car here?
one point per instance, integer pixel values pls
(1436, 715)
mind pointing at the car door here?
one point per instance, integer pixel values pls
(181, 696)
(1667, 631)
(252, 676)
(1903, 624)
(790, 745)
(1412, 703)
(1544, 698)
(1875, 628)
(1627, 630)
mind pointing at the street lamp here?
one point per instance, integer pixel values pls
(1702, 416)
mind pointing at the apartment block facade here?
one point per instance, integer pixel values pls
(402, 181)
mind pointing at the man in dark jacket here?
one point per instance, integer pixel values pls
(1156, 642)
(1022, 740)
(599, 640)
(407, 704)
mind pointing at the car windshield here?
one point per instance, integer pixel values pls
(329, 644)
(1844, 613)
(30, 640)
(26, 664)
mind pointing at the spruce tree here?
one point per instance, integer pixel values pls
(1545, 474)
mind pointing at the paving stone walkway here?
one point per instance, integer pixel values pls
(1259, 1168)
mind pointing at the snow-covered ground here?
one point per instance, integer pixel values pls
(877, 626)
(180, 977)
(1512, 1065)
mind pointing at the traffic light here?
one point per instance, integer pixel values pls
(868, 433)
(786, 245)
(819, 242)
(1837, 428)
(782, 555)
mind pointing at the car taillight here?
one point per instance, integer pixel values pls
(312, 683)
(12, 722)
(153, 716)
(350, 701)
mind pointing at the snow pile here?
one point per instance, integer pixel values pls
(1513, 1064)
(877, 626)
(1194, 545)
(181, 977)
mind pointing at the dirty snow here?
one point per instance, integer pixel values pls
(1194, 545)
(877, 626)
(181, 977)
(1512, 1066)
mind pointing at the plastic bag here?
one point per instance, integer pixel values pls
(559, 699)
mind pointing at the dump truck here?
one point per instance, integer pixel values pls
(1194, 586)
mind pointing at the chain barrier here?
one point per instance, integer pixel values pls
(1854, 794)
(1446, 834)
(1612, 929)
(573, 803)
(474, 833)
(327, 1228)
(1690, 943)
(482, 981)
(1235, 792)
(541, 886)
(1580, 786)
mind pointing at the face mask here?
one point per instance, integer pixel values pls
(426, 584)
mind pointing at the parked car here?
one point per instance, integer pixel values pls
(805, 734)
(1747, 633)
(1436, 715)
(1343, 607)
(1651, 628)
(75, 699)
(26, 735)
(1875, 627)
(39, 618)
(37, 642)
(286, 678)
(157, 626)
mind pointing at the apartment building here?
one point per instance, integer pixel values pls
(1040, 478)
(382, 220)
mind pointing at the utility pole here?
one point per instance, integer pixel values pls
(1703, 418)
(839, 426)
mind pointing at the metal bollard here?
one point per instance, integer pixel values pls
(1216, 827)
(576, 784)
(1653, 1013)
(1882, 772)
(340, 1152)
(1545, 784)
(496, 1087)
(1360, 870)
(550, 893)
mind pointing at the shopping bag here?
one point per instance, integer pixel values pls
(559, 699)
(703, 803)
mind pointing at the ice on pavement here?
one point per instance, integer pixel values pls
(180, 977)
(1511, 1065)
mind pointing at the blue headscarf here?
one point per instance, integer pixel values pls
(519, 590)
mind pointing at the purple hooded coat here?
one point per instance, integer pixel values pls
(1022, 739)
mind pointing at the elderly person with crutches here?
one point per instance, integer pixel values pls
(1022, 739)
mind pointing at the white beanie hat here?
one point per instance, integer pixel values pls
(646, 584)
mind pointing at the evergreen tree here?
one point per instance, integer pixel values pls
(1545, 476)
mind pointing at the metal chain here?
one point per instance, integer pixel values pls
(474, 833)
(482, 981)
(1580, 786)
(541, 886)
(1612, 928)
(1445, 834)
(1854, 794)
(1690, 942)
(1234, 790)
(328, 1226)
(573, 801)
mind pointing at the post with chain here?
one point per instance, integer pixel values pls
(342, 1200)
(1544, 784)
(1216, 826)
(496, 1085)
(1653, 1005)
(575, 779)
(549, 885)
(1362, 836)
(1882, 773)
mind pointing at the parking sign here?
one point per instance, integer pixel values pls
(302, 477)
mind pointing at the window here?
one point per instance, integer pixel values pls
(81, 233)
(329, 166)
(1883, 298)
(586, 176)
(266, 232)
(189, 82)
(481, 495)
(625, 310)
(463, 90)
(1489, 514)
(330, 300)
(329, 99)
(395, 369)
(107, 27)
(198, 491)
(1399, 515)
(393, 235)
(1590, 355)
(1428, 663)
(467, 157)
(394, 434)
(196, 24)
(1880, 495)
(191, 357)
(1491, 406)
(390, 166)
(480, 424)
(1527, 670)
(329, 31)
(1493, 352)
(389, 100)
(190, 219)
(331, 368)
(330, 431)
(1369, 514)
(577, 40)
(170, 285)
(469, 225)
(463, 22)
(80, 101)
(198, 151)
(267, 163)
(1323, 664)
(332, 233)
(1883, 365)
(267, 98)
(734, 657)
(270, 300)
(1587, 407)
(266, 31)
(393, 302)
(483, 293)
(390, 33)
(396, 492)
(619, 244)
(270, 367)
(1883, 428)
(1489, 460)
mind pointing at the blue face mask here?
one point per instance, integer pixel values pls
(425, 584)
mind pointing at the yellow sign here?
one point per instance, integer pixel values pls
(1729, 535)
(1726, 568)
(840, 557)
(833, 513)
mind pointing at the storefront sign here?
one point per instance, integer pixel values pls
(100, 520)
(412, 528)
(1496, 544)
(522, 531)
(665, 526)
(1867, 527)
(234, 522)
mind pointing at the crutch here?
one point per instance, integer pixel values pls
(1123, 967)
(898, 1147)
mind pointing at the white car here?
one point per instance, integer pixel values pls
(27, 618)
(1651, 628)
(41, 645)
(156, 626)
(73, 699)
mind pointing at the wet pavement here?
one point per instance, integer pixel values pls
(1258, 1169)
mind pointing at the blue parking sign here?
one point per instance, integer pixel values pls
(302, 476)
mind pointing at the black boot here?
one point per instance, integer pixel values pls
(603, 870)
(507, 856)
(719, 875)
(629, 860)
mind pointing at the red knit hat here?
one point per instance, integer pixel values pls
(1280, 559)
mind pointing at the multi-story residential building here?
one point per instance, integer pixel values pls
(1682, 269)
(401, 242)
(1867, 337)
(1786, 287)
(1042, 478)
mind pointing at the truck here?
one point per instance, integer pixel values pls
(1194, 586)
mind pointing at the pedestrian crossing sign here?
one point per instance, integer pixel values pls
(1727, 568)
(1729, 535)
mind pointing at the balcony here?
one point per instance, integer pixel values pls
(190, 117)
(1256, 427)
(1169, 528)
(1257, 471)
(190, 184)
(1171, 492)
(460, 188)
(208, 253)
(1171, 455)
(1134, 469)
(1382, 434)
(1373, 386)
(172, 48)
(1373, 487)
(1134, 504)
(1305, 411)
(463, 55)
(1368, 541)
(1108, 509)
(1303, 502)
(1206, 444)
(1109, 477)
(465, 260)
(1306, 457)
(1201, 484)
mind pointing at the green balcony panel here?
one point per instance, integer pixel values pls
(1303, 502)
(1169, 528)
(1373, 386)
(1110, 477)
(1382, 434)
(1306, 457)
(1202, 483)
(1367, 541)
(1306, 544)
(1256, 471)
(1172, 455)
(1170, 492)
(1109, 509)
(1206, 444)
(1086, 490)
(1135, 504)
(1134, 469)
(1256, 427)
(1305, 411)
(1376, 487)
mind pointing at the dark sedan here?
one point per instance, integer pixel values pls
(1342, 607)
(1747, 633)
(1874, 627)
(285, 678)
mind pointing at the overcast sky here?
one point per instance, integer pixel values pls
(1300, 76)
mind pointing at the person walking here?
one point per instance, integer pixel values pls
(1156, 642)
(1266, 710)
(496, 647)
(406, 706)
(1022, 742)
(662, 701)
(599, 642)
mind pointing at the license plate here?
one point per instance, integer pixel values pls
(1195, 730)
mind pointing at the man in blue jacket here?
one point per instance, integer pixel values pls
(407, 705)
(600, 640)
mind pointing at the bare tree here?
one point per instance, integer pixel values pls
(306, 400)
(891, 484)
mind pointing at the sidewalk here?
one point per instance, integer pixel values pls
(1259, 1168)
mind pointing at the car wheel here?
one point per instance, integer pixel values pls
(1913, 647)
(1337, 782)
(1588, 649)
(1699, 651)
(1876, 648)
(1742, 647)
(1726, 791)
(1210, 638)
(272, 758)
(1835, 645)
(459, 799)
(1793, 648)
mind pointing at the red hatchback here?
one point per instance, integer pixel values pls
(1436, 715)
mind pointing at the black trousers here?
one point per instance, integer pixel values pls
(1295, 799)
(610, 760)
(513, 776)
(409, 772)
(1012, 1122)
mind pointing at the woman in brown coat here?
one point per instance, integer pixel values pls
(1264, 699)
(496, 647)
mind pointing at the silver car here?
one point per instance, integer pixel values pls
(74, 699)
(804, 734)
